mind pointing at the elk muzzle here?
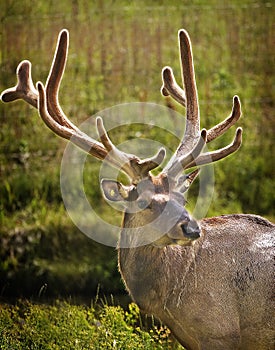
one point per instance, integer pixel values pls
(177, 225)
(191, 229)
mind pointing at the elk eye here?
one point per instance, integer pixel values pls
(142, 203)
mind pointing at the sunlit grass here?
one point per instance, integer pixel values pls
(66, 326)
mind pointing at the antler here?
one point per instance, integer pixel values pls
(188, 148)
(46, 100)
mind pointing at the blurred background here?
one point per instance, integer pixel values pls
(117, 51)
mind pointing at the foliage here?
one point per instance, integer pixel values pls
(66, 326)
(54, 259)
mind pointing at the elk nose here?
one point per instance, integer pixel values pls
(191, 229)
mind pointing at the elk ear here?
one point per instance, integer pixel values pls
(114, 191)
(185, 181)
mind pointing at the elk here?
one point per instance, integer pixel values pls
(210, 281)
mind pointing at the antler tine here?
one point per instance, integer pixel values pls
(222, 127)
(151, 163)
(129, 163)
(115, 155)
(170, 86)
(192, 128)
(24, 89)
(221, 153)
(187, 97)
(54, 80)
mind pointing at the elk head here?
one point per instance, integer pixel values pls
(154, 205)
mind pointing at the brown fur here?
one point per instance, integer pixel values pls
(214, 294)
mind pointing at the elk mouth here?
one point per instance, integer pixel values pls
(191, 230)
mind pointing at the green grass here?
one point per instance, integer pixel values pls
(65, 326)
